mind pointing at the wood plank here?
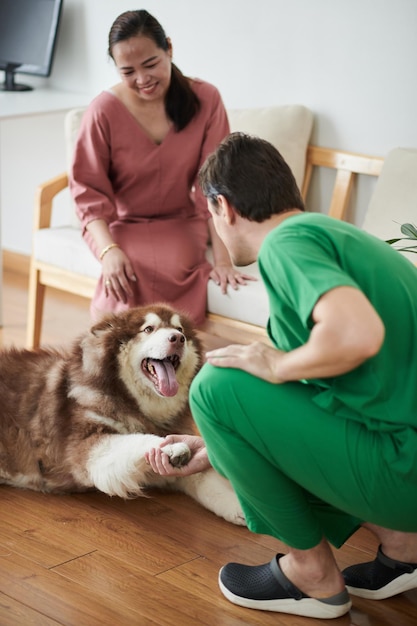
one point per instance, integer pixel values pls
(365, 541)
(184, 522)
(398, 611)
(14, 613)
(60, 599)
(151, 597)
(35, 525)
(50, 530)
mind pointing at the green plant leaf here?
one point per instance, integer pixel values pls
(407, 249)
(409, 230)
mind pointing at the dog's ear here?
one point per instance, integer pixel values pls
(99, 332)
(114, 329)
(102, 327)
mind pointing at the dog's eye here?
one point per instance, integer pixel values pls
(180, 329)
(148, 329)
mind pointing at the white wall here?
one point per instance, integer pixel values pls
(353, 62)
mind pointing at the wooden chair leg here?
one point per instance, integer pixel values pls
(36, 299)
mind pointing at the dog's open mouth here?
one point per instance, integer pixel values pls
(162, 374)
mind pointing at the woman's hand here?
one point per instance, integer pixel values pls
(159, 461)
(118, 274)
(224, 275)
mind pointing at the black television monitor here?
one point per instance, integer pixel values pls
(28, 33)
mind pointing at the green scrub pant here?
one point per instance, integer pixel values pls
(301, 473)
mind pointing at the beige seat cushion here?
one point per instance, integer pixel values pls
(249, 303)
(64, 247)
(287, 127)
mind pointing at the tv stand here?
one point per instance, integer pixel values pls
(9, 82)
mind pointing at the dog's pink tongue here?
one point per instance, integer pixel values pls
(167, 381)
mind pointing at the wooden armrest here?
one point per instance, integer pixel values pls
(347, 165)
(342, 160)
(44, 196)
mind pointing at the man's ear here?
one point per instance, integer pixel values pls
(226, 210)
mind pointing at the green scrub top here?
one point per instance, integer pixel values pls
(309, 254)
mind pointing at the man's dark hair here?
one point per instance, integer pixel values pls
(181, 103)
(252, 175)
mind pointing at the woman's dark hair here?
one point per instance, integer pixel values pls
(181, 103)
(252, 175)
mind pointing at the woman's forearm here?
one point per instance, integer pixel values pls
(100, 233)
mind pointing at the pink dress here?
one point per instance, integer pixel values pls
(144, 192)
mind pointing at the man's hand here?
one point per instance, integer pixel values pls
(159, 461)
(256, 358)
(346, 332)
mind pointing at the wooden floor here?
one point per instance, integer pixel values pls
(87, 560)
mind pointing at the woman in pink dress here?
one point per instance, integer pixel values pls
(140, 147)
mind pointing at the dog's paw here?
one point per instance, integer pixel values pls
(179, 454)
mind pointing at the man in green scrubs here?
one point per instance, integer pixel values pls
(317, 432)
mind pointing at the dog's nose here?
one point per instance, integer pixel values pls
(176, 338)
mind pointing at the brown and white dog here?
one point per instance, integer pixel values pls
(83, 418)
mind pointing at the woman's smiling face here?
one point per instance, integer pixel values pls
(143, 67)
